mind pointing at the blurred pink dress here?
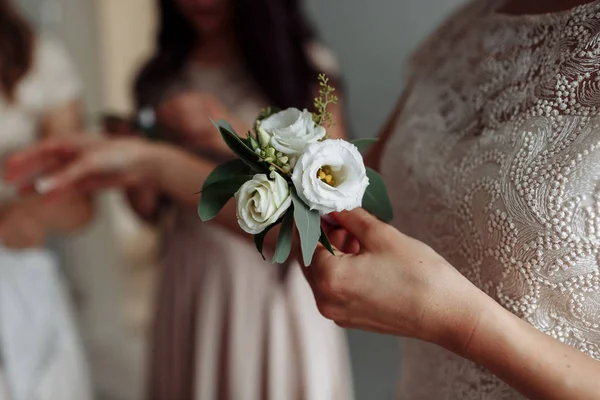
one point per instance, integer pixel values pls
(230, 325)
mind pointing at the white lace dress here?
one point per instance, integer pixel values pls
(495, 163)
(40, 353)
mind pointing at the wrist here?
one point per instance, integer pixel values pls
(459, 309)
(157, 163)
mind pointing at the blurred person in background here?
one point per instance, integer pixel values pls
(228, 324)
(40, 353)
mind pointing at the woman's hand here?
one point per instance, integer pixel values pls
(387, 282)
(84, 164)
(187, 117)
(21, 226)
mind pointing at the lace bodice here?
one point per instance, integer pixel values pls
(495, 163)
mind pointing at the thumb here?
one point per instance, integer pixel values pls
(362, 225)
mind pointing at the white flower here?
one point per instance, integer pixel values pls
(262, 201)
(331, 176)
(290, 131)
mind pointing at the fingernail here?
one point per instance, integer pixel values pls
(44, 185)
(330, 220)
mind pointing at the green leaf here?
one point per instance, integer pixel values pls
(325, 242)
(376, 199)
(260, 239)
(215, 196)
(239, 147)
(364, 144)
(228, 170)
(284, 239)
(308, 223)
(224, 124)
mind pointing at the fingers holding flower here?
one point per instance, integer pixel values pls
(342, 240)
(394, 284)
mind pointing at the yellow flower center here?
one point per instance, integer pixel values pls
(324, 174)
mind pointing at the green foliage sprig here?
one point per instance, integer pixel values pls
(326, 97)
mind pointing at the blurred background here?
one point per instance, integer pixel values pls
(112, 265)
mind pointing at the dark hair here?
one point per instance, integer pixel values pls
(272, 35)
(16, 48)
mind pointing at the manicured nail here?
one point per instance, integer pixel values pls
(330, 220)
(44, 185)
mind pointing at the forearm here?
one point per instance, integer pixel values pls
(180, 175)
(532, 362)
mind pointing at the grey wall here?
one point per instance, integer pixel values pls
(372, 39)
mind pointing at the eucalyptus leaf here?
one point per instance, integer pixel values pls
(284, 239)
(239, 147)
(325, 242)
(308, 223)
(246, 142)
(228, 170)
(376, 199)
(364, 144)
(215, 196)
(259, 239)
(224, 124)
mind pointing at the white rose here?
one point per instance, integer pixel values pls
(331, 176)
(262, 201)
(290, 131)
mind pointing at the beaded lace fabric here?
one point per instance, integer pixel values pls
(495, 163)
